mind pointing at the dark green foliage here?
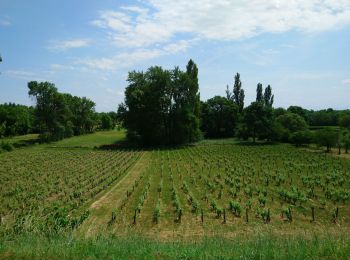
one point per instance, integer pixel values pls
(301, 137)
(287, 124)
(257, 120)
(268, 97)
(344, 120)
(60, 115)
(5, 146)
(259, 93)
(16, 120)
(292, 122)
(327, 137)
(299, 111)
(238, 93)
(162, 106)
(327, 117)
(219, 117)
(106, 121)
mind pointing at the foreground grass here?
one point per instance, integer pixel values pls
(265, 246)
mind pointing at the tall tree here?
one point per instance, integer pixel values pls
(268, 97)
(259, 93)
(163, 107)
(238, 93)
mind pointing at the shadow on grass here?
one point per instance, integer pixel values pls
(127, 145)
(25, 143)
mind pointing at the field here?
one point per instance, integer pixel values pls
(209, 191)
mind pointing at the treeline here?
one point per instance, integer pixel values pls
(55, 116)
(16, 119)
(226, 117)
(163, 107)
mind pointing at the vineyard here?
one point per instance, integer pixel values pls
(46, 188)
(208, 187)
(225, 187)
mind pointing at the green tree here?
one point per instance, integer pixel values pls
(219, 117)
(327, 137)
(344, 120)
(345, 140)
(254, 121)
(60, 115)
(302, 137)
(238, 93)
(259, 93)
(106, 121)
(268, 97)
(163, 107)
(292, 122)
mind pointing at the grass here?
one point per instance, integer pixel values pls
(83, 141)
(261, 246)
(21, 140)
(92, 140)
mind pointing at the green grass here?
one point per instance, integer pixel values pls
(263, 246)
(21, 140)
(92, 140)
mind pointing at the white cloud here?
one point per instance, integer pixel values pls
(128, 59)
(133, 26)
(346, 82)
(69, 44)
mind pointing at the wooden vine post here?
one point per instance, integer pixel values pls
(135, 217)
(224, 216)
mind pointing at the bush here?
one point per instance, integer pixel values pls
(6, 146)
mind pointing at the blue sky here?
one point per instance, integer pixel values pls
(87, 47)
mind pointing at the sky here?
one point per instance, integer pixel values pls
(87, 47)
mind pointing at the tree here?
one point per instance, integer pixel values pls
(301, 137)
(60, 115)
(106, 122)
(254, 121)
(258, 117)
(268, 97)
(299, 111)
(163, 107)
(345, 140)
(15, 119)
(238, 93)
(292, 122)
(219, 117)
(259, 93)
(344, 120)
(327, 137)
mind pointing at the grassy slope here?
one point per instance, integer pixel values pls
(263, 246)
(92, 140)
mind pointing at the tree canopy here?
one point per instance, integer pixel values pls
(60, 115)
(163, 106)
